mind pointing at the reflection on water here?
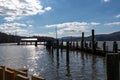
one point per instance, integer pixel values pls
(41, 61)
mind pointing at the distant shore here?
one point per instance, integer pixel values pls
(7, 44)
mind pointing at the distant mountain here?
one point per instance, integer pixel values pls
(99, 37)
(69, 38)
(109, 37)
(5, 38)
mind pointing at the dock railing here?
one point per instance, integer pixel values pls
(13, 74)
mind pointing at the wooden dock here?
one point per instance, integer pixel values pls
(13, 74)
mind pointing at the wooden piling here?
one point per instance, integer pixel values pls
(67, 52)
(57, 47)
(86, 45)
(61, 46)
(90, 44)
(35, 43)
(104, 47)
(77, 44)
(113, 72)
(73, 44)
(115, 47)
(18, 43)
(82, 41)
(93, 42)
(37, 78)
(96, 44)
(52, 50)
(67, 60)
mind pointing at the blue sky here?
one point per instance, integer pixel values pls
(71, 17)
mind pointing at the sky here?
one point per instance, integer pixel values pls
(67, 17)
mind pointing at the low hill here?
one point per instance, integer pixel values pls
(99, 37)
(5, 38)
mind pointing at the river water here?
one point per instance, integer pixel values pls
(39, 61)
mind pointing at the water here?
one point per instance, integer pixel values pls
(39, 61)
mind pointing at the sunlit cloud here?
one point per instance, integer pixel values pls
(113, 23)
(41, 34)
(48, 8)
(16, 9)
(105, 0)
(21, 32)
(72, 24)
(71, 28)
(30, 26)
(94, 23)
(12, 28)
(117, 16)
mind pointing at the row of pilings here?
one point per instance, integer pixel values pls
(91, 47)
(112, 57)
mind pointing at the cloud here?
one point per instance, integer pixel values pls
(12, 28)
(94, 23)
(16, 32)
(117, 16)
(72, 24)
(11, 18)
(71, 28)
(105, 0)
(42, 34)
(113, 23)
(15, 9)
(48, 8)
(30, 26)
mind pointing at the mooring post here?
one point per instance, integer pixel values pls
(67, 60)
(73, 44)
(52, 47)
(104, 47)
(93, 42)
(115, 47)
(35, 43)
(86, 45)
(82, 41)
(90, 44)
(61, 46)
(76, 44)
(67, 52)
(30, 43)
(18, 43)
(113, 69)
(96, 44)
(57, 47)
